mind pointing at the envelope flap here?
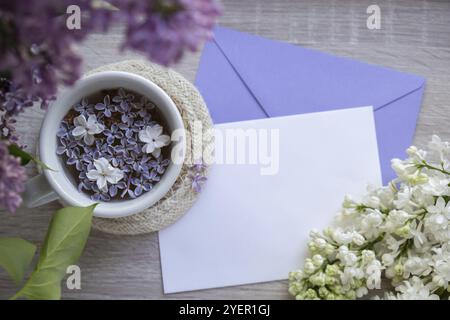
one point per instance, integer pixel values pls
(288, 79)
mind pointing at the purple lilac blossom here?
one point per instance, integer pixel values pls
(197, 180)
(37, 56)
(197, 175)
(106, 106)
(164, 29)
(118, 143)
(36, 47)
(12, 179)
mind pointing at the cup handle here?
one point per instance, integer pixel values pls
(38, 192)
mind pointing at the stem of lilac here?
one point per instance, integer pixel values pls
(428, 166)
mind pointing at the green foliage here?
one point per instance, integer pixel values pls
(15, 257)
(64, 243)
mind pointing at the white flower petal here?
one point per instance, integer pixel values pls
(101, 165)
(440, 203)
(101, 183)
(88, 139)
(92, 175)
(157, 152)
(144, 137)
(149, 147)
(162, 141)
(115, 176)
(100, 128)
(80, 121)
(155, 131)
(92, 120)
(78, 132)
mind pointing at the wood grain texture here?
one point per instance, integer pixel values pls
(414, 37)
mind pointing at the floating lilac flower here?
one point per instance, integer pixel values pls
(144, 114)
(64, 130)
(113, 133)
(138, 124)
(106, 106)
(137, 162)
(104, 173)
(100, 196)
(103, 149)
(128, 119)
(84, 107)
(85, 184)
(145, 105)
(75, 158)
(129, 144)
(141, 185)
(114, 188)
(66, 146)
(154, 139)
(159, 164)
(12, 179)
(127, 190)
(153, 176)
(127, 125)
(86, 129)
(124, 100)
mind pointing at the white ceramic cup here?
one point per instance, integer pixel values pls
(59, 184)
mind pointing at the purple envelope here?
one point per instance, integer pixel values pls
(243, 77)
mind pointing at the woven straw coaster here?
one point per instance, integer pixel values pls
(181, 196)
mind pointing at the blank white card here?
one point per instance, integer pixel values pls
(247, 227)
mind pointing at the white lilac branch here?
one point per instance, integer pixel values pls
(400, 231)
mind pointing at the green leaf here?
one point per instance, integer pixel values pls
(15, 150)
(64, 243)
(15, 257)
(25, 157)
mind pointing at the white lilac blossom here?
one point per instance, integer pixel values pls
(400, 232)
(121, 119)
(104, 173)
(412, 289)
(87, 129)
(154, 139)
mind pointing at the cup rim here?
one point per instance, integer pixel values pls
(60, 182)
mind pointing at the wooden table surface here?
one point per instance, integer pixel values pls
(414, 37)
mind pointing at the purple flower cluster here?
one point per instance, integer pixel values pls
(197, 175)
(122, 117)
(164, 29)
(12, 101)
(36, 47)
(12, 179)
(37, 56)
(36, 53)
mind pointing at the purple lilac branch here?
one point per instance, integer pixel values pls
(12, 178)
(37, 56)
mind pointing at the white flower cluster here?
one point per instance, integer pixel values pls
(400, 232)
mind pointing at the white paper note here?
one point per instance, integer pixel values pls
(247, 227)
